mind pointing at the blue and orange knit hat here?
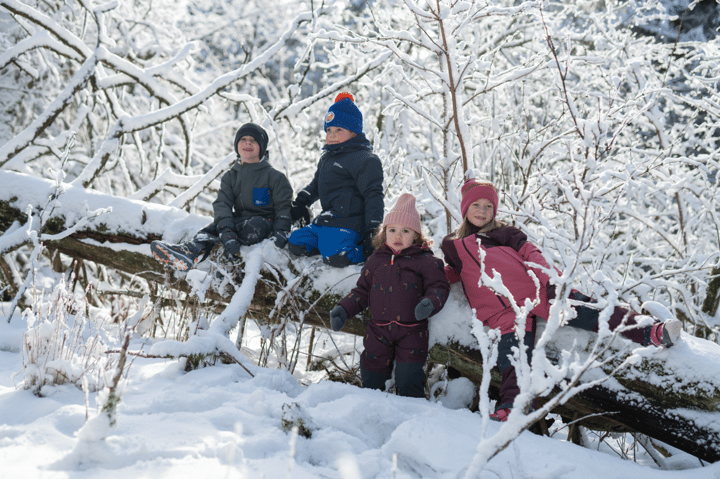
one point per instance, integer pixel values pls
(344, 114)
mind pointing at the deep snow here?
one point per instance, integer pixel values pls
(220, 422)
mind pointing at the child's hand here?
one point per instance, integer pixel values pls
(423, 309)
(367, 245)
(338, 317)
(299, 212)
(230, 242)
(280, 238)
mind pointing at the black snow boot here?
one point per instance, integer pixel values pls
(339, 260)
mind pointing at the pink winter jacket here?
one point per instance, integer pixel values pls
(507, 251)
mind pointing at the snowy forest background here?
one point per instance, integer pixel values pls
(598, 120)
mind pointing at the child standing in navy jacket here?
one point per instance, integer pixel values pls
(403, 284)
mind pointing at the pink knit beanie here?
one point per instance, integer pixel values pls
(474, 190)
(404, 213)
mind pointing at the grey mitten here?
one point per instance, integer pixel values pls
(424, 309)
(338, 317)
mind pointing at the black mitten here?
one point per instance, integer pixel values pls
(299, 212)
(280, 238)
(231, 243)
(367, 245)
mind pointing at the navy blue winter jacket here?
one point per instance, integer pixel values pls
(349, 184)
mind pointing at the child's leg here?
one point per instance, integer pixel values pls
(207, 237)
(410, 379)
(411, 354)
(304, 241)
(377, 357)
(373, 380)
(587, 319)
(509, 388)
(184, 256)
(253, 230)
(338, 244)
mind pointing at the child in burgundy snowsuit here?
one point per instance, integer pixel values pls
(508, 252)
(403, 284)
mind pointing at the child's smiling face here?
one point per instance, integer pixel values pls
(335, 135)
(249, 149)
(398, 237)
(480, 213)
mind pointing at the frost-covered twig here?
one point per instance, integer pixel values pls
(43, 121)
(242, 298)
(125, 125)
(31, 235)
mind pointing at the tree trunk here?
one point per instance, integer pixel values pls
(634, 405)
(682, 412)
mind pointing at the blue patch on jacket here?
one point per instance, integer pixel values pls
(261, 196)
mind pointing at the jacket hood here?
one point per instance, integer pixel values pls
(260, 165)
(359, 142)
(409, 251)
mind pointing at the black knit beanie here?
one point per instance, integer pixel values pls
(257, 132)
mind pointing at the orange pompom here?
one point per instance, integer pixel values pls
(343, 95)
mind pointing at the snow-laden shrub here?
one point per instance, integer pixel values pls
(295, 417)
(61, 344)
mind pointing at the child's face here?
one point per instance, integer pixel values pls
(335, 135)
(480, 213)
(398, 237)
(248, 149)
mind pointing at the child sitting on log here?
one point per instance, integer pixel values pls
(253, 204)
(507, 251)
(349, 184)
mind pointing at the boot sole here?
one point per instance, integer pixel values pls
(170, 258)
(671, 331)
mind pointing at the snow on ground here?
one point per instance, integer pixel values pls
(221, 422)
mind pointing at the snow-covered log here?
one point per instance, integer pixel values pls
(120, 239)
(671, 395)
(656, 399)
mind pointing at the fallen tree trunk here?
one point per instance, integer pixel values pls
(657, 398)
(634, 404)
(687, 423)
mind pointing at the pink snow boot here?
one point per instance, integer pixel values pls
(501, 415)
(665, 334)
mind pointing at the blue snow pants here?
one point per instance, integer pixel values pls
(328, 241)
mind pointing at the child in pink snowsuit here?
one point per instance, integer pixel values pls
(403, 284)
(508, 252)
